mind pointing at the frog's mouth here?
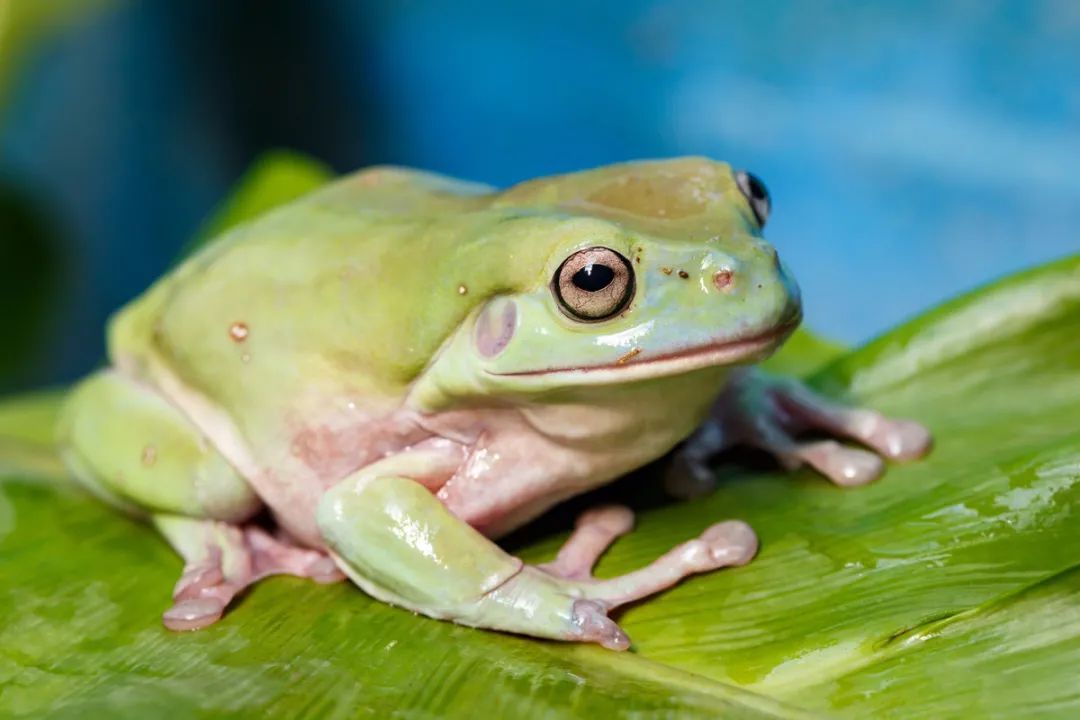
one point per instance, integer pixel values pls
(638, 364)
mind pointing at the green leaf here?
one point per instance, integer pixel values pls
(949, 588)
(803, 354)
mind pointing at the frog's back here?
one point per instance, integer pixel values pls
(305, 286)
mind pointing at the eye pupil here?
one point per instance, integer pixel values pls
(756, 194)
(593, 277)
(757, 188)
(593, 284)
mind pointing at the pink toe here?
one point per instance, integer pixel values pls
(906, 440)
(731, 543)
(195, 579)
(613, 519)
(856, 467)
(593, 625)
(324, 571)
(845, 466)
(193, 614)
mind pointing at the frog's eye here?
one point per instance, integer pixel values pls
(756, 194)
(593, 284)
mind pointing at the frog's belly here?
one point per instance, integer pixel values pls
(517, 462)
(524, 461)
(317, 453)
(508, 465)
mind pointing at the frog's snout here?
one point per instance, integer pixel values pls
(792, 310)
(762, 283)
(725, 278)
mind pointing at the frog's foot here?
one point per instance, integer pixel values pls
(726, 544)
(794, 409)
(583, 602)
(222, 559)
(593, 533)
(731, 543)
(769, 413)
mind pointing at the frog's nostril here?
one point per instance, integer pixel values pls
(723, 280)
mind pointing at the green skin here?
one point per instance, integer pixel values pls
(387, 365)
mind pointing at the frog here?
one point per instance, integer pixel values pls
(378, 381)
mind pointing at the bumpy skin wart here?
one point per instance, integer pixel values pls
(401, 367)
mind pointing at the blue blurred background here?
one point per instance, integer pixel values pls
(913, 150)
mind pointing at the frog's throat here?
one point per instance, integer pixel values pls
(641, 366)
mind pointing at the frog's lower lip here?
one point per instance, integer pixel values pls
(637, 365)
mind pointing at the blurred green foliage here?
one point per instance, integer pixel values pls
(24, 24)
(29, 267)
(29, 242)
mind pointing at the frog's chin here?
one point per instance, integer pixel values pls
(640, 365)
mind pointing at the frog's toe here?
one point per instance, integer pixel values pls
(204, 574)
(223, 559)
(727, 544)
(845, 466)
(592, 624)
(279, 556)
(614, 520)
(193, 613)
(894, 439)
(593, 533)
(730, 544)
(324, 571)
(902, 440)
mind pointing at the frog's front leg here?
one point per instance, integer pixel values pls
(399, 543)
(769, 412)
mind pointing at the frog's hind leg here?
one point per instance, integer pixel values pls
(132, 448)
(771, 413)
(129, 446)
(221, 560)
(726, 544)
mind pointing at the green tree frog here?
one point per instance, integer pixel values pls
(400, 368)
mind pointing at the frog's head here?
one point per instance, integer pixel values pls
(642, 270)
